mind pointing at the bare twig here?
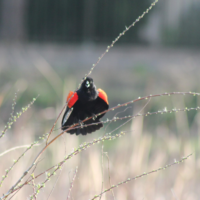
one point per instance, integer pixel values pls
(72, 182)
(13, 118)
(76, 126)
(102, 168)
(140, 176)
(54, 185)
(119, 36)
(57, 167)
(15, 148)
(109, 174)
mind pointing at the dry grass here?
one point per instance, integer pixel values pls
(151, 142)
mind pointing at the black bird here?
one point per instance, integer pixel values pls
(86, 102)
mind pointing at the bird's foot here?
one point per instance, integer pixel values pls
(80, 123)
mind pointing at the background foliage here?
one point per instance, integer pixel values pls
(46, 49)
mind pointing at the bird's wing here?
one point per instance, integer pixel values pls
(69, 118)
(72, 98)
(102, 94)
(101, 103)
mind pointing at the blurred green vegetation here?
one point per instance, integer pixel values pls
(149, 142)
(138, 80)
(83, 20)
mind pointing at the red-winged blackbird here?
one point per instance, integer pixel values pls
(84, 103)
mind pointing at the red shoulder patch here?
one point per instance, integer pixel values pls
(103, 95)
(72, 98)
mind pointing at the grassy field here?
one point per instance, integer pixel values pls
(150, 142)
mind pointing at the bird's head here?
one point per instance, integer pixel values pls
(88, 84)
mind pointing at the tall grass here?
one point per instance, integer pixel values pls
(125, 164)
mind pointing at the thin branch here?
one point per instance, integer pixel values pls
(56, 122)
(102, 168)
(76, 126)
(140, 176)
(72, 182)
(16, 161)
(54, 185)
(13, 118)
(119, 36)
(130, 117)
(109, 174)
(139, 99)
(57, 167)
(15, 148)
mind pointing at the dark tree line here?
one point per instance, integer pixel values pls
(83, 20)
(96, 21)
